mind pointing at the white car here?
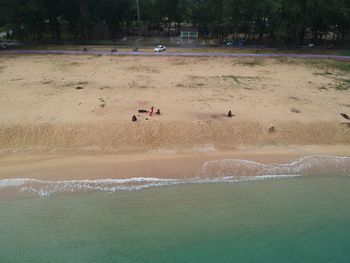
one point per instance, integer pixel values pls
(159, 48)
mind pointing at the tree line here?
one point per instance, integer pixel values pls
(288, 21)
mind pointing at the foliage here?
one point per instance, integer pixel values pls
(284, 21)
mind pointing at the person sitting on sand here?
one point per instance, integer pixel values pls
(158, 112)
(134, 118)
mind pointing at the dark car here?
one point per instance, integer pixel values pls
(4, 46)
(237, 43)
(230, 43)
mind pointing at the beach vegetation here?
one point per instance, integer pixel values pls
(286, 60)
(307, 23)
(250, 62)
(344, 85)
(343, 52)
(325, 73)
(340, 65)
(327, 65)
(235, 79)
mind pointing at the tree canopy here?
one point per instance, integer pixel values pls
(288, 21)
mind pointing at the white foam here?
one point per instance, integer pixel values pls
(15, 182)
(311, 165)
(217, 171)
(45, 188)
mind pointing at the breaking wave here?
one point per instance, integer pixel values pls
(45, 188)
(218, 171)
(311, 165)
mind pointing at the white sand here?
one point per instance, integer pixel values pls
(43, 113)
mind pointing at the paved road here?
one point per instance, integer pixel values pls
(172, 54)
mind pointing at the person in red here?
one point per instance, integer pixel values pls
(151, 112)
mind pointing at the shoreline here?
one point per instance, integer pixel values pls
(58, 167)
(69, 117)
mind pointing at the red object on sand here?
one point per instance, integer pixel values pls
(151, 112)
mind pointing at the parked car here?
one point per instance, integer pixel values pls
(159, 48)
(4, 46)
(8, 44)
(230, 43)
(237, 43)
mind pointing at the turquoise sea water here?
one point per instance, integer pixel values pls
(302, 219)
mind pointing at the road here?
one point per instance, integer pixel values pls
(172, 54)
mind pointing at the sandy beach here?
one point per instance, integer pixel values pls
(69, 117)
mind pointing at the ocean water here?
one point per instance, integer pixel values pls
(232, 211)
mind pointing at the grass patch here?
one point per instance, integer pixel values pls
(344, 85)
(314, 62)
(75, 63)
(2, 68)
(343, 53)
(339, 65)
(335, 65)
(250, 63)
(287, 60)
(325, 73)
(230, 77)
(77, 84)
(82, 82)
(235, 79)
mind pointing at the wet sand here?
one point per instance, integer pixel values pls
(151, 165)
